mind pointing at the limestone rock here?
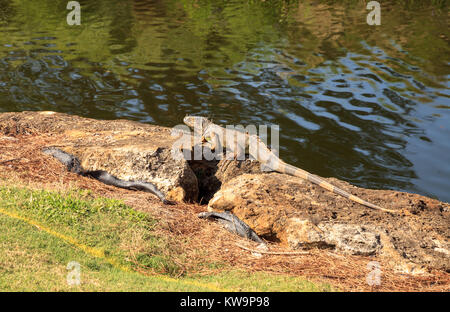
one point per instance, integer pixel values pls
(300, 214)
(126, 149)
(304, 234)
(351, 239)
(212, 174)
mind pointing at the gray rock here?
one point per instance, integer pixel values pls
(351, 239)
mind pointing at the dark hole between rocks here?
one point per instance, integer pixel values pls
(208, 182)
(212, 174)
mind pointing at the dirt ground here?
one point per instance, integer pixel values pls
(194, 241)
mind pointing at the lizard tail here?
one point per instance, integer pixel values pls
(292, 170)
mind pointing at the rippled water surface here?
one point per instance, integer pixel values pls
(366, 104)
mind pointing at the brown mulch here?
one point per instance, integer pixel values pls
(193, 241)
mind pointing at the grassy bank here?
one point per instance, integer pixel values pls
(41, 232)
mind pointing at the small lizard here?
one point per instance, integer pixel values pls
(232, 224)
(215, 136)
(73, 164)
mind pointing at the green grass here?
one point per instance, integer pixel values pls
(102, 235)
(116, 230)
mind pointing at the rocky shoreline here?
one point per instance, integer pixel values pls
(280, 208)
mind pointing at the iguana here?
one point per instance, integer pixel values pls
(214, 135)
(73, 164)
(232, 224)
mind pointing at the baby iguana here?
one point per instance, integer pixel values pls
(232, 224)
(216, 137)
(73, 164)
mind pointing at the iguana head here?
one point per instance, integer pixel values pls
(196, 121)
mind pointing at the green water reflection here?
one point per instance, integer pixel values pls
(366, 104)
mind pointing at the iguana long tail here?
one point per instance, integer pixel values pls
(297, 172)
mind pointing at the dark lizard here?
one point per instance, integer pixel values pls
(232, 224)
(73, 164)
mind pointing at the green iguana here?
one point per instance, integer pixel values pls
(216, 137)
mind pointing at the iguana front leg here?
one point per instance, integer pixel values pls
(213, 141)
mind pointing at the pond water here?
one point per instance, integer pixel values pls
(366, 104)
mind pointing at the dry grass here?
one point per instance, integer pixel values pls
(198, 245)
